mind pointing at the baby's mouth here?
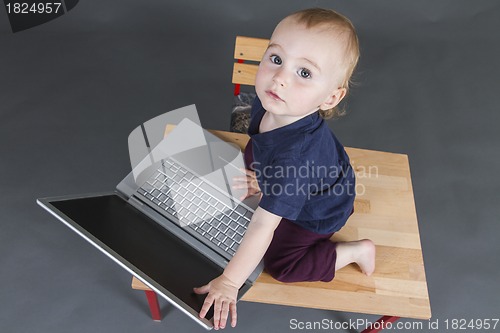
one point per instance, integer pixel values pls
(274, 96)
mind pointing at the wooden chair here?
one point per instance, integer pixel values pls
(384, 212)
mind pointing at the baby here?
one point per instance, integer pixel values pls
(295, 164)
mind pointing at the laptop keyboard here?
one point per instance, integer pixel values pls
(197, 205)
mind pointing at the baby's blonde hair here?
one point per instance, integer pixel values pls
(319, 17)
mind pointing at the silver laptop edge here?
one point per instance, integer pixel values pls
(171, 226)
(172, 299)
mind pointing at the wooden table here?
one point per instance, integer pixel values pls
(385, 213)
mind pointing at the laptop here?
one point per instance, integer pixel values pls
(173, 222)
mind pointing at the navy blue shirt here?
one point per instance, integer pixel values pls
(303, 171)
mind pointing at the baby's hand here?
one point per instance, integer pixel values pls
(248, 182)
(222, 293)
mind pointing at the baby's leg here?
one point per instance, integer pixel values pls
(296, 254)
(361, 252)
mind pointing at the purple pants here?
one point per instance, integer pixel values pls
(297, 254)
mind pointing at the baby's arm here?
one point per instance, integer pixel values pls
(223, 290)
(253, 246)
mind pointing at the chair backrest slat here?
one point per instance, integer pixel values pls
(244, 74)
(247, 49)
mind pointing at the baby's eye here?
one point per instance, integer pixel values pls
(305, 73)
(276, 60)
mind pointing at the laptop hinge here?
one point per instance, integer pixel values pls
(135, 202)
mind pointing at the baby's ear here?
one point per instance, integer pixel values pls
(335, 97)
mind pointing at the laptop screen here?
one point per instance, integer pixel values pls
(165, 259)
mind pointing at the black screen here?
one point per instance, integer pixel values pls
(144, 244)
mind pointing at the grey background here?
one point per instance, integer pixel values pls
(71, 91)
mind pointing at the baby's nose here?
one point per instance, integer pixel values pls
(280, 78)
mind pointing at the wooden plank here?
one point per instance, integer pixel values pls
(244, 74)
(359, 301)
(369, 162)
(138, 285)
(249, 48)
(239, 139)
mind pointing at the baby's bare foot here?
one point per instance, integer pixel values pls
(365, 256)
(361, 252)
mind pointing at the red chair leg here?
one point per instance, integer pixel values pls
(380, 324)
(237, 86)
(154, 306)
(236, 89)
